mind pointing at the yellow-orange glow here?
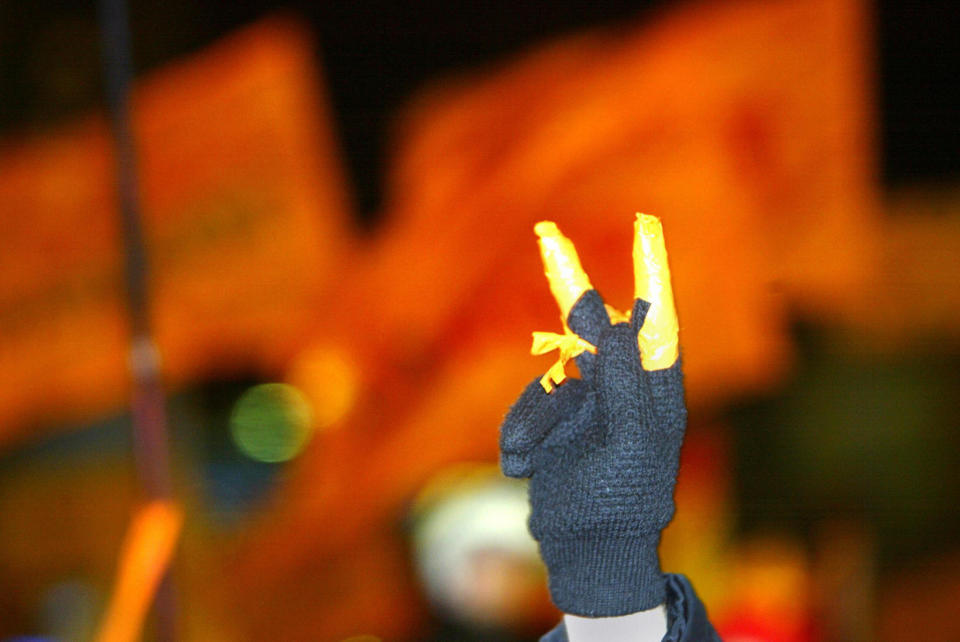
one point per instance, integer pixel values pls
(330, 379)
(147, 549)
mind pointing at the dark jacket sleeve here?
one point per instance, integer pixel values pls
(686, 616)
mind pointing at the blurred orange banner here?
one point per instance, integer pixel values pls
(745, 126)
(244, 210)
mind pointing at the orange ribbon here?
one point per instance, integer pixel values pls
(569, 345)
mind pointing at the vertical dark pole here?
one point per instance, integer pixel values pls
(151, 449)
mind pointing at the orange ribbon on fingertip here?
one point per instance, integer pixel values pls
(569, 345)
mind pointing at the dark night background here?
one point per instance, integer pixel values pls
(377, 53)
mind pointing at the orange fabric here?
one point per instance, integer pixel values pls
(569, 344)
(244, 213)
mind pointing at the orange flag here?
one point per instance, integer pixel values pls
(745, 127)
(244, 211)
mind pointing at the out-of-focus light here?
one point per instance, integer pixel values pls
(768, 593)
(271, 422)
(362, 638)
(145, 555)
(472, 548)
(329, 379)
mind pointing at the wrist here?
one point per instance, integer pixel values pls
(636, 627)
(596, 575)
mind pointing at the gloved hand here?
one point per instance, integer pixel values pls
(602, 451)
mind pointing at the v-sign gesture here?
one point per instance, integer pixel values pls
(602, 451)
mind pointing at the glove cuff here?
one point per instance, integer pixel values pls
(596, 575)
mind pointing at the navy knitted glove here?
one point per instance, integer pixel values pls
(602, 456)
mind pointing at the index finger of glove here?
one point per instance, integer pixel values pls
(567, 279)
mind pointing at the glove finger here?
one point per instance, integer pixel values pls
(531, 418)
(588, 319)
(568, 282)
(667, 395)
(621, 387)
(657, 328)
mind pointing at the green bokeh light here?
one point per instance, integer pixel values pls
(271, 422)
